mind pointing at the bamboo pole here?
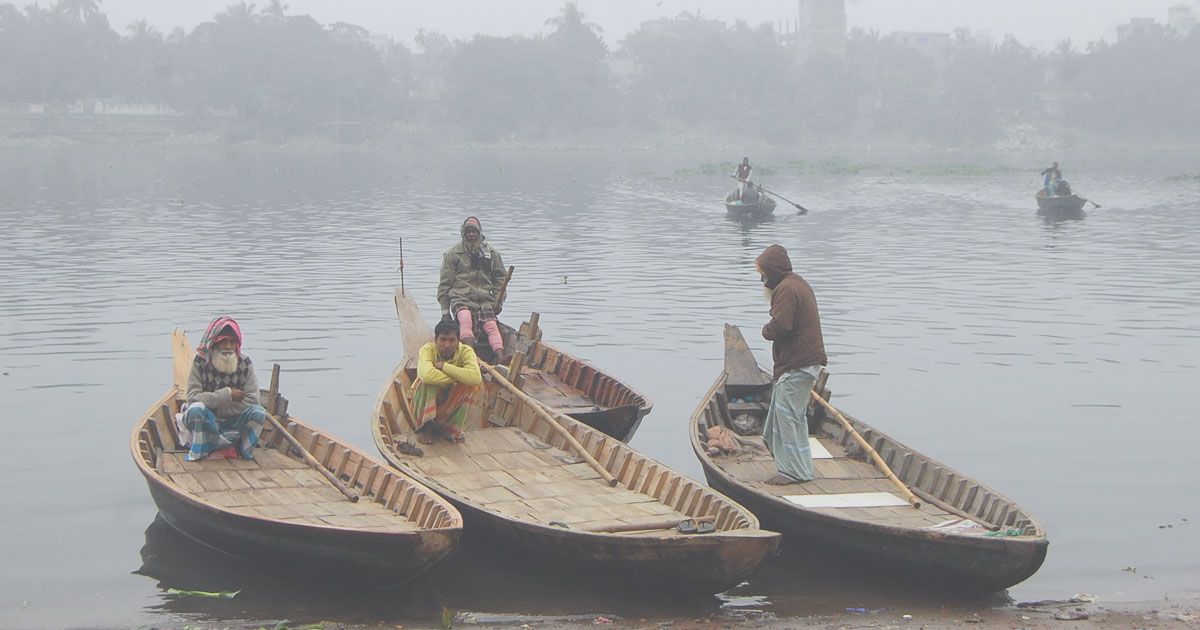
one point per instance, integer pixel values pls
(879, 463)
(541, 410)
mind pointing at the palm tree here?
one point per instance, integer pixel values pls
(141, 29)
(79, 11)
(571, 18)
(241, 11)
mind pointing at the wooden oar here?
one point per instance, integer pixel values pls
(541, 410)
(882, 465)
(308, 457)
(504, 286)
(1091, 202)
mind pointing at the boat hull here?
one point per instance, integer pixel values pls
(707, 563)
(387, 557)
(974, 564)
(760, 210)
(1071, 205)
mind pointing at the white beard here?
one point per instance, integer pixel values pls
(767, 293)
(225, 363)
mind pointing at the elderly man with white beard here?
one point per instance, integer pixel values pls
(224, 417)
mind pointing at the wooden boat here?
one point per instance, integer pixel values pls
(278, 509)
(519, 480)
(761, 209)
(874, 522)
(556, 378)
(1059, 205)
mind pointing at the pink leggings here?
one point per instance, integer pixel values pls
(466, 328)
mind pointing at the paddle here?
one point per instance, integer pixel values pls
(912, 498)
(541, 409)
(799, 207)
(1091, 202)
(291, 439)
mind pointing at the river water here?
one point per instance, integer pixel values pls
(1055, 361)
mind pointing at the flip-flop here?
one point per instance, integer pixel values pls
(706, 527)
(408, 448)
(687, 526)
(454, 437)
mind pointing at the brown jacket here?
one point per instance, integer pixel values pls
(795, 326)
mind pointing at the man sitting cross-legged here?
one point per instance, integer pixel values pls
(448, 378)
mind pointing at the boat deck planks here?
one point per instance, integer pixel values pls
(841, 474)
(506, 470)
(275, 486)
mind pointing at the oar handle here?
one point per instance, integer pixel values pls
(541, 410)
(503, 292)
(882, 465)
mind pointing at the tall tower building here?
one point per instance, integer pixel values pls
(821, 27)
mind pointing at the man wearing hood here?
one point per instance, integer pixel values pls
(224, 417)
(798, 351)
(469, 291)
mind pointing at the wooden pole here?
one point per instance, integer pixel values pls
(504, 286)
(308, 457)
(540, 409)
(401, 266)
(879, 463)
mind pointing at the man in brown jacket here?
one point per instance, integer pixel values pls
(799, 352)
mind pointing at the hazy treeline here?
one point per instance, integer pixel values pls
(290, 74)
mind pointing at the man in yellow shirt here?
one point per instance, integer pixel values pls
(448, 378)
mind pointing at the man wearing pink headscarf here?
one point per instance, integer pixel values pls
(224, 417)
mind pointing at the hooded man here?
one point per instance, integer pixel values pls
(448, 378)
(469, 291)
(798, 350)
(224, 416)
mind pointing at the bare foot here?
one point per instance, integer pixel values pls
(424, 438)
(781, 479)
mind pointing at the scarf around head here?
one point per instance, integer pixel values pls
(213, 332)
(481, 245)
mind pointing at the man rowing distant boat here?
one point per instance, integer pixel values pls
(469, 290)
(223, 417)
(743, 176)
(798, 350)
(448, 378)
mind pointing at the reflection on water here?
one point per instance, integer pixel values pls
(1028, 354)
(484, 583)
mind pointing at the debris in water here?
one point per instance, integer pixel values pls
(1076, 615)
(210, 594)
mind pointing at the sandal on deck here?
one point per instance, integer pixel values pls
(408, 448)
(454, 436)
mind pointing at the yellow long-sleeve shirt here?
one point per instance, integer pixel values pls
(462, 368)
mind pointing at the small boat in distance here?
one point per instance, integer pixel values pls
(531, 478)
(762, 207)
(278, 510)
(964, 535)
(1060, 205)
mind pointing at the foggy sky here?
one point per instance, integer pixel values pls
(1037, 22)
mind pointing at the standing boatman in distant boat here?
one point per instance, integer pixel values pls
(798, 350)
(743, 176)
(469, 291)
(1050, 178)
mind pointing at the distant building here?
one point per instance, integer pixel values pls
(1135, 25)
(1182, 18)
(821, 27)
(930, 45)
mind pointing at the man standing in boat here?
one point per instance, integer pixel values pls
(1051, 177)
(743, 176)
(447, 379)
(223, 418)
(798, 350)
(469, 291)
